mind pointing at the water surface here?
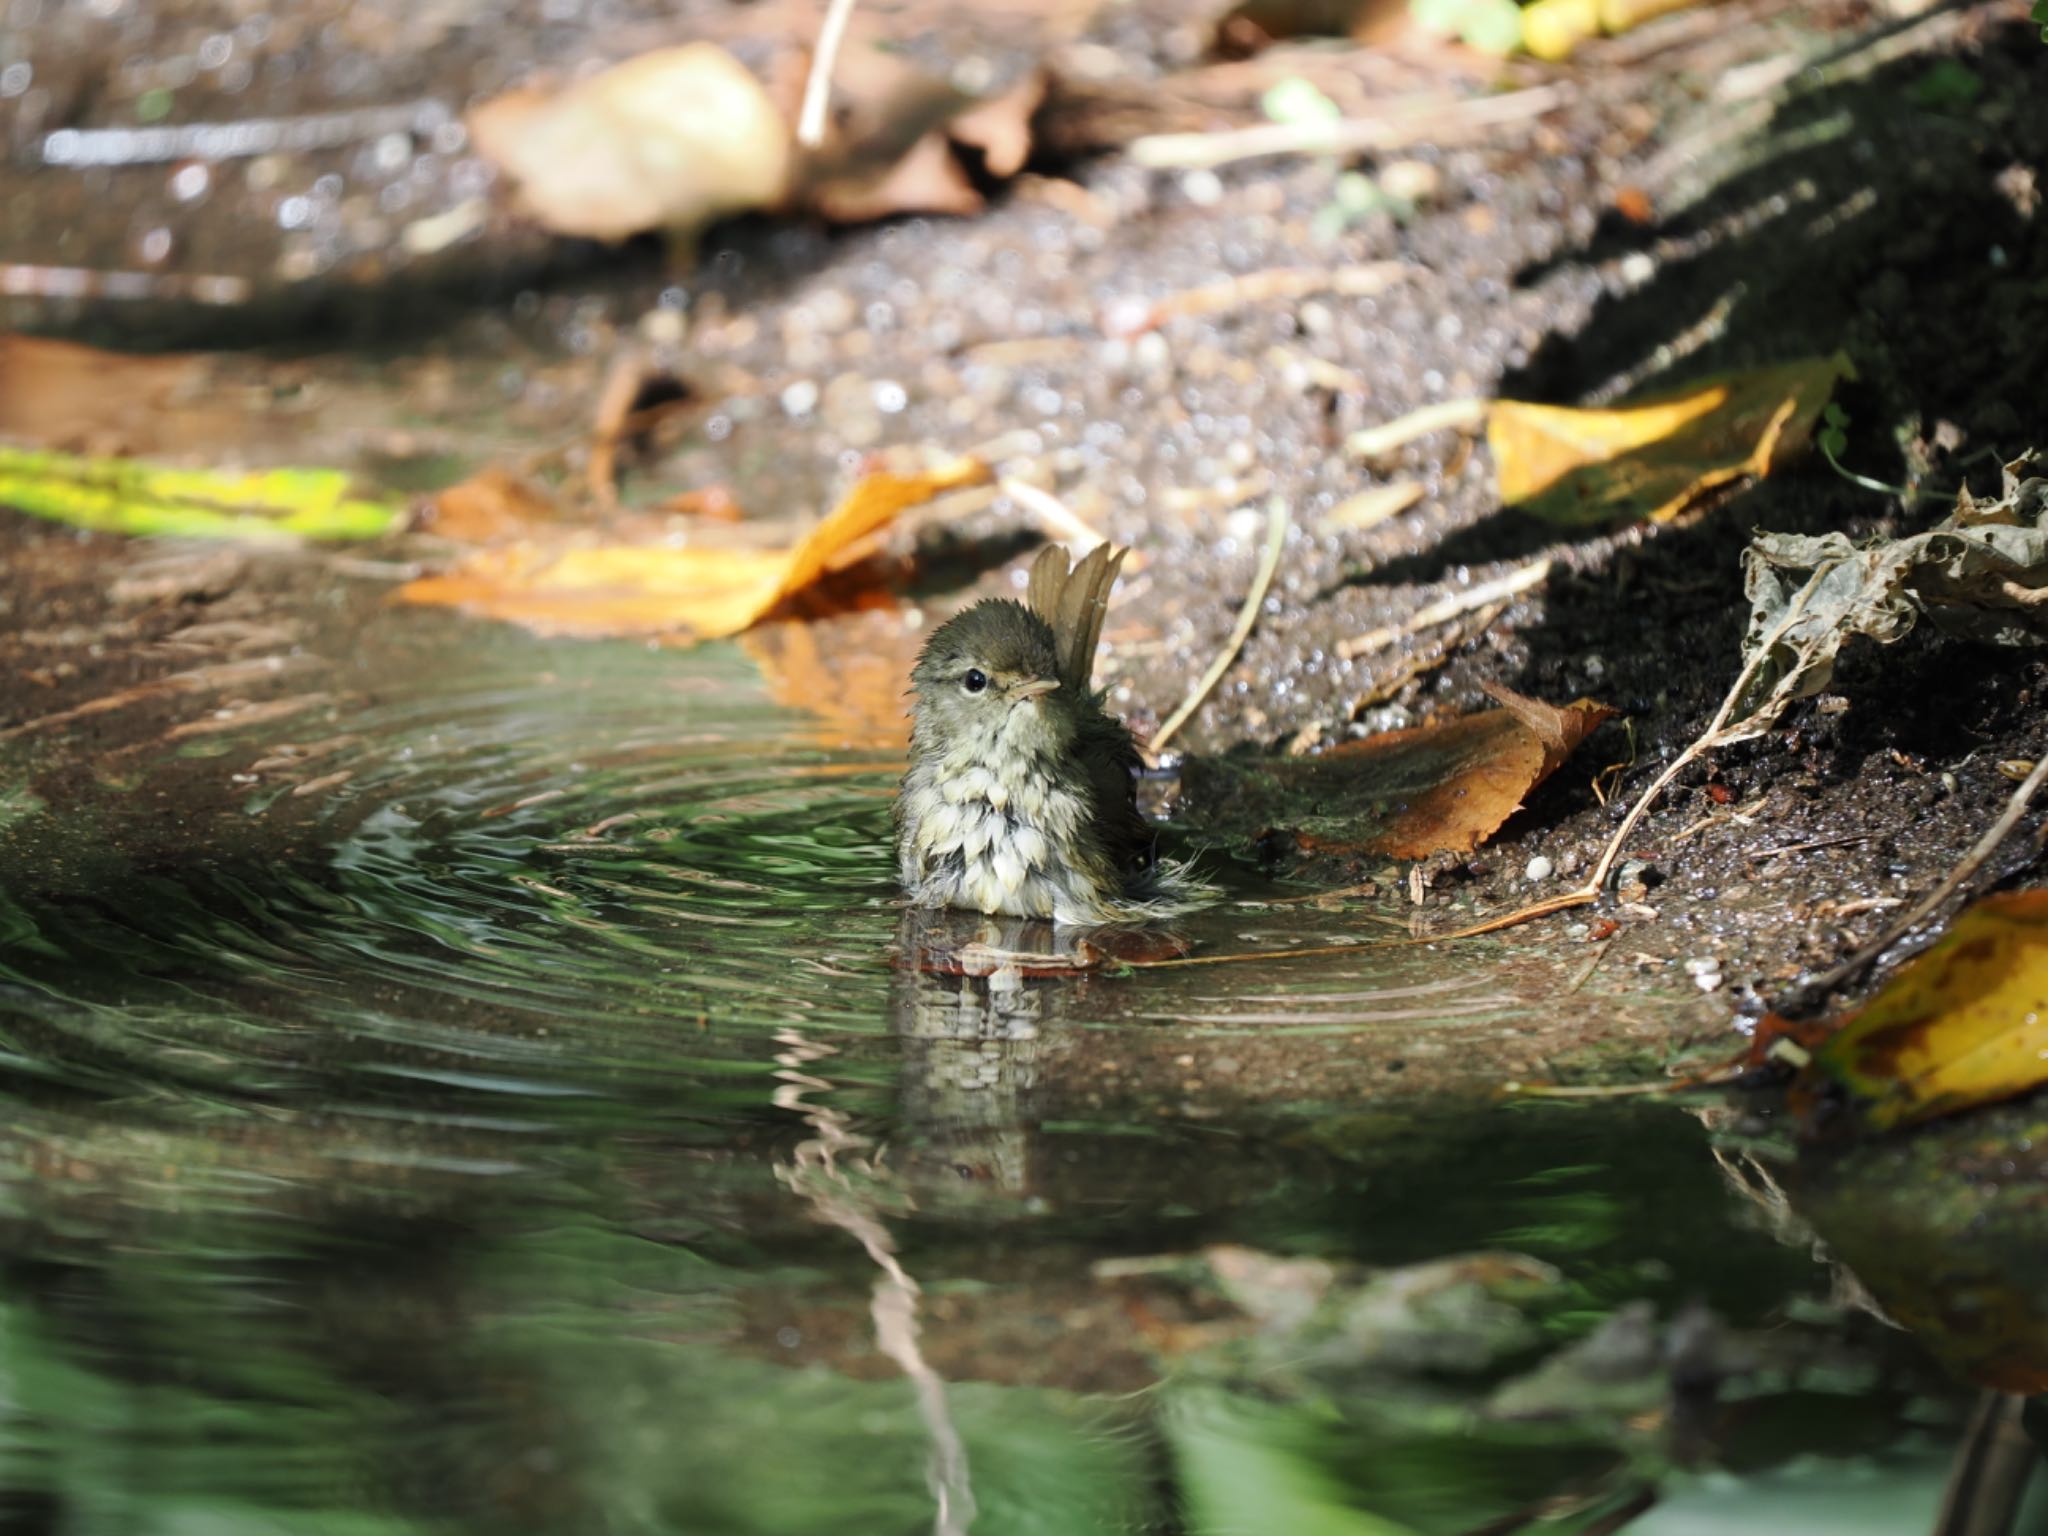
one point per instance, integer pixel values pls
(538, 1115)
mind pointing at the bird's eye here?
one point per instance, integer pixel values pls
(975, 680)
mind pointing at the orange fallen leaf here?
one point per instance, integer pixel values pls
(1442, 788)
(599, 591)
(491, 507)
(1964, 1024)
(1655, 457)
(670, 140)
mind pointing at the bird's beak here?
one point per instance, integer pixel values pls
(1036, 688)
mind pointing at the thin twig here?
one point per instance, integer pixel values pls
(1126, 318)
(1432, 117)
(1276, 535)
(1513, 584)
(810, 123)
(1060, 521)
(1968, 865)
(1614, 1090)
(1375, 442)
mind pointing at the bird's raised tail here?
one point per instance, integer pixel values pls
(1073, 599)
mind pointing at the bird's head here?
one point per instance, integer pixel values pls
(988, 681)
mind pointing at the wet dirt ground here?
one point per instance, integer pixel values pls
(1672, 221)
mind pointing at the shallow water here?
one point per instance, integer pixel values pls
(554, 1125)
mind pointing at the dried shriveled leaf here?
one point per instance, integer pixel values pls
(1981, 573)
(926, 179)
(669, 140)
(636, 589)
(1655, 457)
(1964, 1024)
(1440, 788)
(1000, 125)
(126, 496)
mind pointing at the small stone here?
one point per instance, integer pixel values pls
(1202, 188)
(1539, 868)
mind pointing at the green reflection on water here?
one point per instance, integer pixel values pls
(517, 1142)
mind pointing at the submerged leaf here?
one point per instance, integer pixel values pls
(1441, 788)
(1964, 1024)
(126, 496)
(636, 589)
(1655, 457)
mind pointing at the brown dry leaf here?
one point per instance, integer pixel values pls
(491, 507)
(1655, 457)
(895, 125)
(599, 591)
(670, 140)
(78, 399)
(1964, 1024)
(927, 179)
(1442, 788)
(1000, 125)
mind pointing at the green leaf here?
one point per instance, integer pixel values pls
(1493, 26)
(1244, 1473)
(132, 497)
(1295, 100)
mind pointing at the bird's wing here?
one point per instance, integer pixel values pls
(1074, 602)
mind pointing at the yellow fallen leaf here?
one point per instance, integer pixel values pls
(1552, 29)
(1655, 457)
(670, 140)
(1964, 1024)
(597, 591)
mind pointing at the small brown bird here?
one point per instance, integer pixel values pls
(1021, 796)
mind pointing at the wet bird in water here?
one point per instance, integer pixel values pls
(1021, 796)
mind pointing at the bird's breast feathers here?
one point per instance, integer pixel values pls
(998, 836)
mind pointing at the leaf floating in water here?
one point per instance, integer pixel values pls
(1442, 788)
(128, 496)
(1655, 457)
(608, 590)
(1964, 1024)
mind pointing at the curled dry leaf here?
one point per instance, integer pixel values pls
(1964, 1024)
(1982, 573)
(599, 591)
(669, 140)
(1653, 458)
(1442, 788)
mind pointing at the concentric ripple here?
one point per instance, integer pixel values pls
(529, 868)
